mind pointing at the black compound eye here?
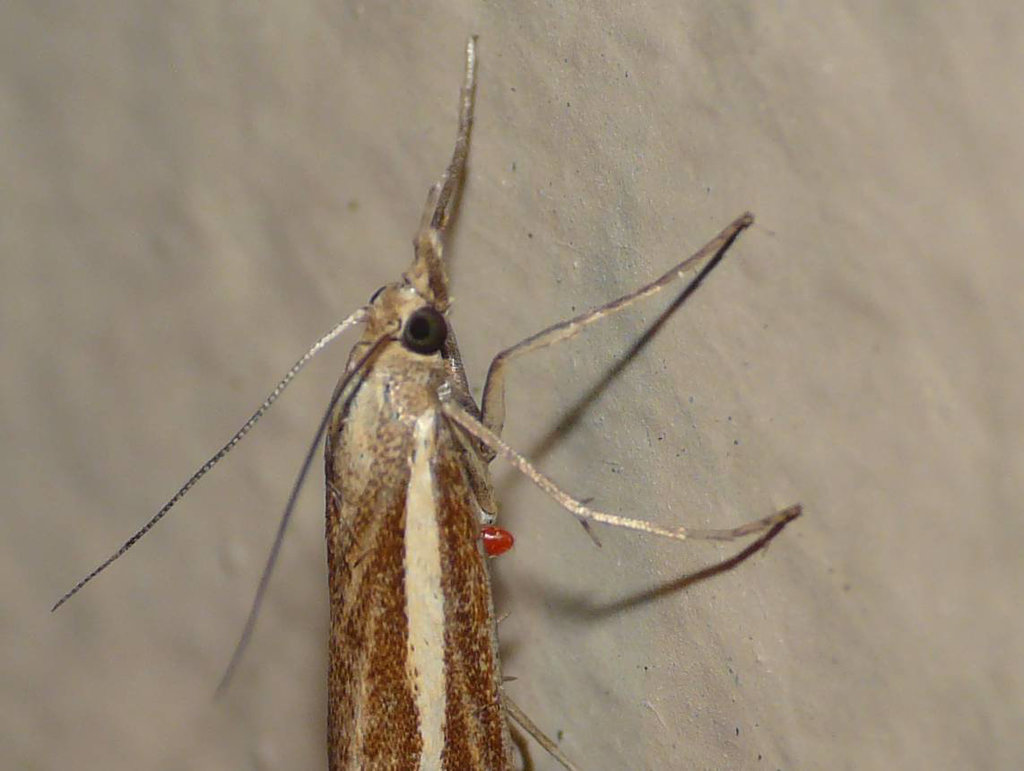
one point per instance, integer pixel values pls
(425, 331)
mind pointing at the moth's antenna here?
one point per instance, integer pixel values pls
(356, 318)
(261, 590)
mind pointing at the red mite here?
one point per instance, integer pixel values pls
(496, 540)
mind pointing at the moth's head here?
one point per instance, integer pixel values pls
(412, 311)
(400, 310)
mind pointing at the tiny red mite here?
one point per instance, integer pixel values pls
(496, 540)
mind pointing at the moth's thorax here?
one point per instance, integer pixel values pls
(371, 432)
(374, 427)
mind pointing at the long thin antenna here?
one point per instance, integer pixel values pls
(357, 317)
(261, 590)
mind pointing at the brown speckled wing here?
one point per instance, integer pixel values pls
(372, 717)
(372, 721)
(476, 733)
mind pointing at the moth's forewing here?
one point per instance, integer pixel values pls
(476, 731)
(371, 714)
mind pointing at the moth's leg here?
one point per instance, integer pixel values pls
(521, 719)
(705, 260)
(490, 439)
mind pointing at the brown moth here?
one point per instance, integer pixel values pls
(414, 675)
(415, 679)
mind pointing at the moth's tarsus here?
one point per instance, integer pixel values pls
(523, 721)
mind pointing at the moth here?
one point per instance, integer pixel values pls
(414, 675)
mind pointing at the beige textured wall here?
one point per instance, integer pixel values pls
(192, 192)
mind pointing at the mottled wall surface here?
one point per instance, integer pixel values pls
(193, 192)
